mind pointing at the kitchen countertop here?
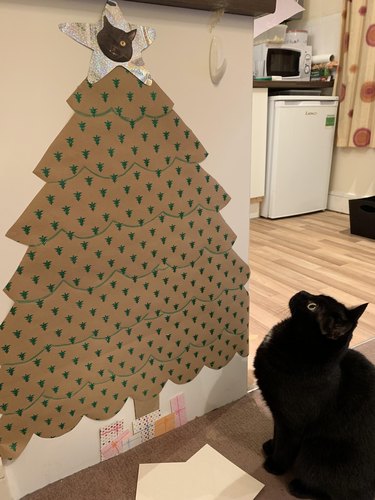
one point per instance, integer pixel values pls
(243, 7)
(273, 84)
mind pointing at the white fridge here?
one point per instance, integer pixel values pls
(300, 139)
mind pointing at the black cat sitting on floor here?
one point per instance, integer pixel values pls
(322, 398)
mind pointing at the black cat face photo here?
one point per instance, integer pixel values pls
(115, 43)
(332, 318)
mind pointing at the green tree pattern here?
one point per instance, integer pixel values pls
(129, 278)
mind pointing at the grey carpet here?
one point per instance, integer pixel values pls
(236, 430)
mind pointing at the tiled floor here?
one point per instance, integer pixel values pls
(314, 252)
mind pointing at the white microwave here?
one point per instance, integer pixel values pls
(288, 61)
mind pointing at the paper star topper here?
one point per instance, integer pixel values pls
(114, 42)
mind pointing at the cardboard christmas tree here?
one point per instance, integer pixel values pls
(129, 278)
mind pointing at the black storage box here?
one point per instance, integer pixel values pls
(362, 216)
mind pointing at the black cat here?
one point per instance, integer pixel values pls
(322, 398)
(115, 43)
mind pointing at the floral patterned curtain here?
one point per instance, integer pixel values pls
(356, 76)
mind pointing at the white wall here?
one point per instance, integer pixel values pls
(321, 8)
(353, 176)
(41, 68)
(322, 19)
(352, 169)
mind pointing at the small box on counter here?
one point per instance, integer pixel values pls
(315, 74)
(362, 216)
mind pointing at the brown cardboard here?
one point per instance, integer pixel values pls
(144, 407)
(129, 279)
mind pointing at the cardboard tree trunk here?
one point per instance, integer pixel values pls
(129, 278)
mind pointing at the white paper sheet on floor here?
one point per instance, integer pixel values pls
(207, 475)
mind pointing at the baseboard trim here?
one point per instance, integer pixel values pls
(339, 202)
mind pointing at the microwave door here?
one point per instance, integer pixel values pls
(283, 62)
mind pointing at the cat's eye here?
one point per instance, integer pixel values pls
(311, 306)
(122, 43)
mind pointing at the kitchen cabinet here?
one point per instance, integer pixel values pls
(258, 143)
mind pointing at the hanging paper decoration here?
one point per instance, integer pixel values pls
(114, 42)
(129, 278)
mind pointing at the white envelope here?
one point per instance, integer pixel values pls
(207, 475)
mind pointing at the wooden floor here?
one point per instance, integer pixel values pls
(316, 253)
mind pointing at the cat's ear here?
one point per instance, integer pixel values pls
(106, 23)
(131, 34)
(356, 312)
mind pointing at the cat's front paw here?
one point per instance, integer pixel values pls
(268, 447)
(298, 489)
(273, 467)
